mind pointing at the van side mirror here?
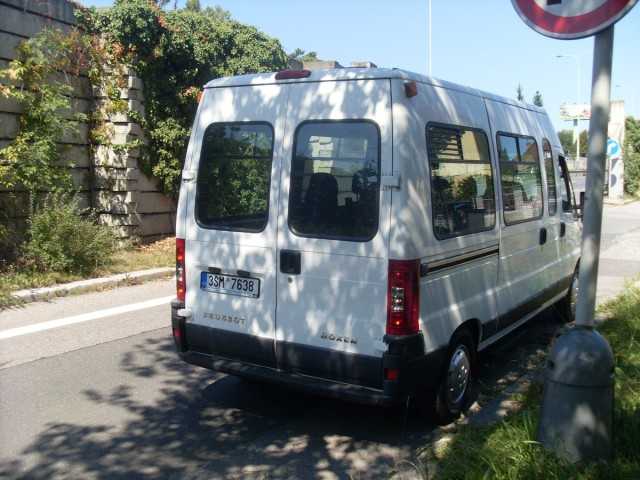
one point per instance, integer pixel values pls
(581, 206)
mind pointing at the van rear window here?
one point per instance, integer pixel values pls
(335, 180)
(234, 176)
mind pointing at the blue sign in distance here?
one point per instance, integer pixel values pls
(613, 148)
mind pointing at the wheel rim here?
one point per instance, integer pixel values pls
(573, 299)
(458, 375)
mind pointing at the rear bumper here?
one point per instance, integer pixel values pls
(293, 380)
(324, 372)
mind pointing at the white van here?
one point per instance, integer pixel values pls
(363, 233)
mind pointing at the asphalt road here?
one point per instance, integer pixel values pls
(103, 395)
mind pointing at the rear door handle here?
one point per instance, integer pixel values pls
(543, 236)
(290, 262)
(563, 229)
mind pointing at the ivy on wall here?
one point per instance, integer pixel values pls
(176, 53)
(40, 80)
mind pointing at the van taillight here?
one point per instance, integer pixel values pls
(403, 297)
(181, 283)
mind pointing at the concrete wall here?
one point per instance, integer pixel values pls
(19, 20)
(112, 183)
(126, 198)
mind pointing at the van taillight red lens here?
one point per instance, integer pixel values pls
(391, 374)
(403, 297)
(181, 284)
(177, 333)
(292, 74)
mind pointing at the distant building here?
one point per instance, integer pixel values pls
(363, 64)
(321, 64)
(324, 64)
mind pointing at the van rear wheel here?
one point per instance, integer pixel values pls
(455, 393)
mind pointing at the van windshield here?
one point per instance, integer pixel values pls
(234, 176)
(335, 180)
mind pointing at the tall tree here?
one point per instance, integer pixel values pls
(566, 140)
(584, 142)
(193, 5)
(175, 53)
(520, 93)
(569, 145)
(303, 56)
(537, 99)
(631, 153)
(217, 13)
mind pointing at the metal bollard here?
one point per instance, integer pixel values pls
(577, 406)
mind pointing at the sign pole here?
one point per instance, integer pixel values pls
(576, 418)
(596, 164)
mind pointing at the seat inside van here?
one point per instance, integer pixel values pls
(335, 180)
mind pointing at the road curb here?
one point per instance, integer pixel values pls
(620, 203)
(91, 285)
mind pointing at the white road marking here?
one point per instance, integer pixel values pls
(85, 317)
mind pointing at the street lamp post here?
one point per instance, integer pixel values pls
(429, 39)
(615, 88)
(632, 96)
(576, 130)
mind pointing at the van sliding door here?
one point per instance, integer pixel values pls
(524, 273)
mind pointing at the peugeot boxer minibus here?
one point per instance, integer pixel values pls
(364, 233)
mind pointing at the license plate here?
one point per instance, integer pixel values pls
(230, 284)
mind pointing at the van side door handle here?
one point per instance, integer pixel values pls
(563, 229)
(543, 236)
(290, 262)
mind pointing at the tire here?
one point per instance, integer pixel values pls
(456, 391)
(567, 306)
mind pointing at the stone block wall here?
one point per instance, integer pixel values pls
(108, 181)
(126, 198)
(20, 20)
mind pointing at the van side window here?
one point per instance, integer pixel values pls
(566, 187)
(520, 178)
(549, 167)
(335, 180)
(462, 193)
(234, 176)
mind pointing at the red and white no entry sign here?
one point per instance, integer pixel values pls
(570, 19)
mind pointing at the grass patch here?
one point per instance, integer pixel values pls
(508, 450)
(153, 255)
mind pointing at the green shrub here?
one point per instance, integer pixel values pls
(176, 53)
(632, 157)
(62, 238)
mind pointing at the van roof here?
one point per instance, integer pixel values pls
(338, 74)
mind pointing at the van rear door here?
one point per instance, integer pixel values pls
(231, 224)
(333, 230)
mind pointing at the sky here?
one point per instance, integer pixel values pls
(482, 44)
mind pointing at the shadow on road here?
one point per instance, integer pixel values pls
(203, 425)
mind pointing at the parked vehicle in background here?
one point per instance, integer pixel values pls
(363, 233)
